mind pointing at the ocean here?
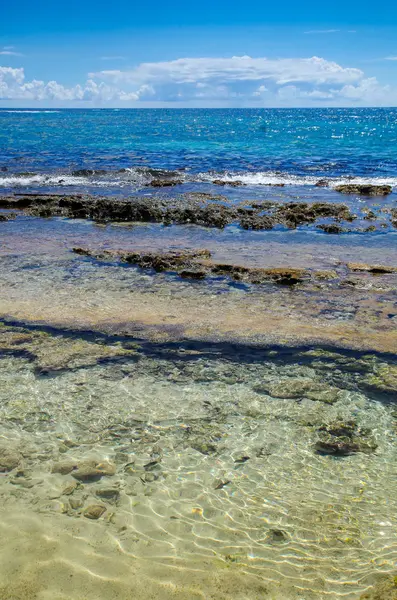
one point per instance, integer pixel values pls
(198, 354)
(259, 147)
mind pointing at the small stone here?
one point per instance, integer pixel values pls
(106, 468)
(121, 457)
(87, 473)
(94, 511)
(220, 484)
(75, 503)
(63, 468)
(69, 489)
(9, 459)
(108, 493)
(241, 459)
(277, 536)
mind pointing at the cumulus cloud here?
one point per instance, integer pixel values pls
(13, 86)
(234, 81)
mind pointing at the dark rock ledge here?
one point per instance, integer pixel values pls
(198, 265)
(192, 208)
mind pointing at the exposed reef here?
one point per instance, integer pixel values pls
(364, 189)
(191, 208)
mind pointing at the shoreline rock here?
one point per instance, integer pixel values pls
(364, 189)
(190, 208)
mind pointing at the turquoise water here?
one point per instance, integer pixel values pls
(258, 143)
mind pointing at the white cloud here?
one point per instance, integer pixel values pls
(391, 58)
(14, 87)
(326, 31)
(9, 51)
(237, 68)
(234, 81)
(261, 90)
(322, 31)
(370, 90)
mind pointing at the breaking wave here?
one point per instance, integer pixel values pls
(139, 177)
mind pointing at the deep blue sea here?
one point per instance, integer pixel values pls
(256, 146)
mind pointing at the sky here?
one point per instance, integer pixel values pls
(83, 54)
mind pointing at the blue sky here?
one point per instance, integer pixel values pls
(86, 53)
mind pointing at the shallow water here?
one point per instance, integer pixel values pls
(215, 470)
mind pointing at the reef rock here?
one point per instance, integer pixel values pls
(375, 269)
(386, 589)
(384, 378)
(344, 438)
(304, 388)
(9, 459)
(230, 183)
(364, 189)
(7, 216)
(165, 182)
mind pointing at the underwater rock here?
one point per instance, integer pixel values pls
(195, 263)
(277, 536)
(87, 474)
(111, 494)
(90, 471)
(69, 489)
(332, 228)
(344, 438)
(204, 447)
(322, 183)
(94, 511)
(9, 459)
(303, 388)
(106, 468)
(384, 378)
(385, 589)
(64, 467)
(7, 217)
(364, 189)
(221, 483)
(75, 503)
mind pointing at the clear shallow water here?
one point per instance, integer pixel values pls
(255, 146)
(215, 468)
